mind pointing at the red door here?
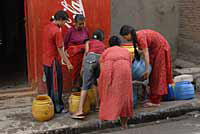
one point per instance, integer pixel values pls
(38, 13)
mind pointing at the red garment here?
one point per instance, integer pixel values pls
(64, 31)
(160, 59)
(96, 46)
(155, 99)
(52, 40)
(74, 44)
(115, 84)
(76, 54)
(75, 37)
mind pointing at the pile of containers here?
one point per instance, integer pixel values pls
(182, 90)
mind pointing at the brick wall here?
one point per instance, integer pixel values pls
(189, 30)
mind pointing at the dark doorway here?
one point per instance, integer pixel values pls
(13, 61)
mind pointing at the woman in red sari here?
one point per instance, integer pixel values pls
(156, 52)
(74, 43)
(115, 83)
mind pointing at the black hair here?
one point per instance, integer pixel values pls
(114, 41)
(98, 34)
(79, 17)
(61, 15)
(125, 30)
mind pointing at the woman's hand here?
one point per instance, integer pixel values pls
(146, 75)
(66, 53)
(70, 67)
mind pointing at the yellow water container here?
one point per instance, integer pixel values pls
(130, 49)
(42, 108)
(74, 101)
(92, 96)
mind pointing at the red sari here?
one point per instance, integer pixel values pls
(115, 84)
(74, 43)
(76, 53)
(160, 59)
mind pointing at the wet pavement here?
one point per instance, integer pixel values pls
(182, 125)
(16, 116)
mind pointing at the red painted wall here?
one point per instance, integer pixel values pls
(38, 13)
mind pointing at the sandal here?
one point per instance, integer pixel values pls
(82, 114)
(77, 117)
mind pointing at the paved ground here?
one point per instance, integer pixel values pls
(183, 125)
(16, 116)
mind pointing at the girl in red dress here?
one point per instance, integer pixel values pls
(90, 69)
(115, 83)
(156, 52)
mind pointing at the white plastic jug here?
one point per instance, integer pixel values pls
(184, 77)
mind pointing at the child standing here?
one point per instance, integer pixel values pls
(90, 68)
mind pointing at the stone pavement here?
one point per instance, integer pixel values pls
(16, 117)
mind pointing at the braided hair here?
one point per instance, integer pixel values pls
(125, 30)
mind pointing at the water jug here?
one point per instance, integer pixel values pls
(92, 96)
(42, 108)
(171, 94)
(139, 68)
(184, 90)
(74, 101)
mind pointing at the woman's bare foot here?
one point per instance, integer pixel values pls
(124, 127)
(124, 122)
(149, 104)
